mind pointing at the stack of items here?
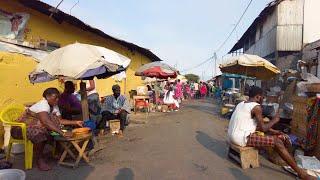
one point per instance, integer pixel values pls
(306, 114)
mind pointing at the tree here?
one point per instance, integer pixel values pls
(192, 77)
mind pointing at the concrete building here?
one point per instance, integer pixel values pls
(281, 31)
(31, 28)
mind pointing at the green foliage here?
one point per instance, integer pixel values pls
(192, 77)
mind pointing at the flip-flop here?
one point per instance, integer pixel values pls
(290, 170)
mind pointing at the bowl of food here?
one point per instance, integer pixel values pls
(80, 131)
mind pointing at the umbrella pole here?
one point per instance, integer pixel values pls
(84, 101)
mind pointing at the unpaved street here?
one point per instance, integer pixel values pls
(189, 144)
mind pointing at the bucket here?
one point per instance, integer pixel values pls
(16, 148)
(12, 174)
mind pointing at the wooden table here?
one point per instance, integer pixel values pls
(144, 98)
(79, 143)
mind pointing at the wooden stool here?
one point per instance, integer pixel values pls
(246, 156)
(114, 126)
(79, 143)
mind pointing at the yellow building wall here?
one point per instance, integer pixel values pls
(14, 68)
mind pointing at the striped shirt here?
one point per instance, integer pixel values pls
(112, 104)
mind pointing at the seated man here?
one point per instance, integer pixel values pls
(115, 106)
(68, 103)
(247, 119)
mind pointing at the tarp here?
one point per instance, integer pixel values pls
(237, 76)
(37, 54)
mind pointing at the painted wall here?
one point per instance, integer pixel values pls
(14, 68)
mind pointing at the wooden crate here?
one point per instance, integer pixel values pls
(299, 129)
(299, 121)
(114, 126)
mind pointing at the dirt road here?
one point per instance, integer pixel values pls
(189, 144)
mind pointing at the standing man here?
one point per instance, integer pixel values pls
(116, 106)
(247, 119)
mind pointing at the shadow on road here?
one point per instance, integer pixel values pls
(214, 145)
(125, 174)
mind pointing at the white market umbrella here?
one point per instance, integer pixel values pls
(79, 61)
(250, 65)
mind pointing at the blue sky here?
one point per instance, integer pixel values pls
(181, 32)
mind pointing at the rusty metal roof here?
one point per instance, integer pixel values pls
(265, 12)
(60, 17)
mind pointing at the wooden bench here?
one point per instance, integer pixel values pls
(246, 156)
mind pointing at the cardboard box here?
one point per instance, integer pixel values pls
(114, 126)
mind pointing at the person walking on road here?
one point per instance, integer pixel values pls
(203, 90)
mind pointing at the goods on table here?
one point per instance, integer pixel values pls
(142, 91)
(80, 131)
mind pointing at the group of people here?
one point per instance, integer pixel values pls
(173, 93)
(167, 93)
(194, 90)
(56, 110)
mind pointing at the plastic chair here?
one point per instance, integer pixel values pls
(9, 116)
(141, 103)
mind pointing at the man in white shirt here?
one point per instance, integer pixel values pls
(247, 119)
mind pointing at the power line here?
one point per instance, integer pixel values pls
(235, 27)
(198, 64)
(225, 41)
(74, 6)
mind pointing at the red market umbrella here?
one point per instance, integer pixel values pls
(158, 70)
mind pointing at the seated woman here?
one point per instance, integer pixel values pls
(42, 118)
(169, 98)
(69, 104)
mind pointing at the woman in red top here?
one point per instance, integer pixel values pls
(203, 90)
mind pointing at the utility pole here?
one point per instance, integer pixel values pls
(215, 64)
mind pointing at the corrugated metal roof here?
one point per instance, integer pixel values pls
(265, 12)
(60, 17)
